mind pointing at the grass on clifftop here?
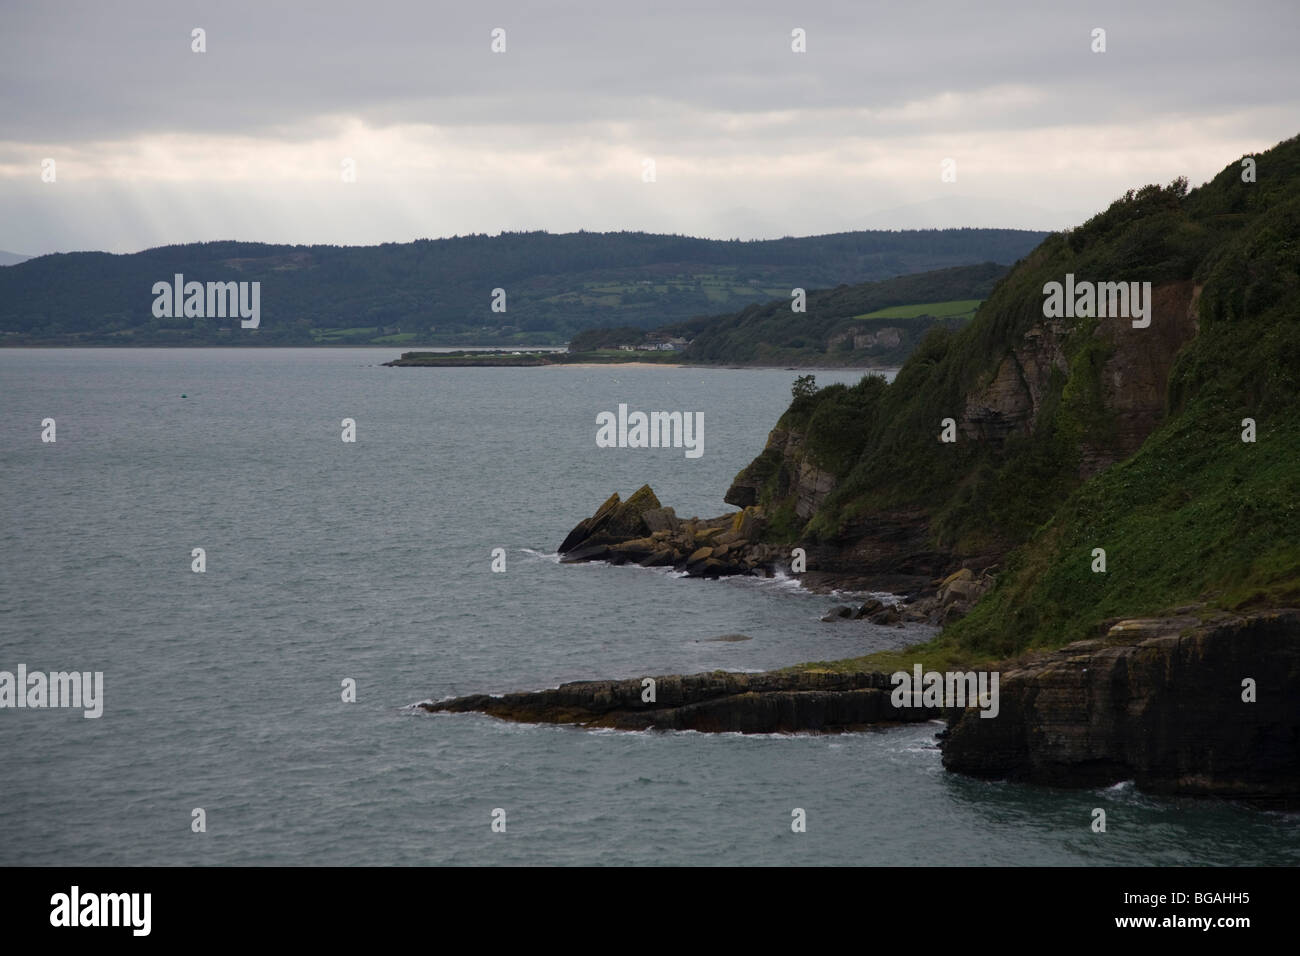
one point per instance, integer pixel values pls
(1197, 515)
(953, 309)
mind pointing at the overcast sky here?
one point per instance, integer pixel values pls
(154, 143)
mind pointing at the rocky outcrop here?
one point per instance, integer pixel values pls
(718, 703)
(1010, 403)
(1158, 701)
(1135, 376)
(1132, 378)
(1178, 705)
(642, 531)
(943, 602)
(797, 475)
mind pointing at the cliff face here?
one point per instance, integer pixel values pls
(1106, 473)
(788, 470)
(1158, 701)
(1131, 381)
(1042, 405)
(1134, 379)
(1011, 403)
(1122, 371)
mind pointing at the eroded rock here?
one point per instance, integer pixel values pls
(641, 531)
(720, 702)
(1156, 700)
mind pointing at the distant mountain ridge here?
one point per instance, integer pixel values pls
(441, 292)
(12, 258)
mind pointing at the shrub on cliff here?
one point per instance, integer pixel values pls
(1195, 514)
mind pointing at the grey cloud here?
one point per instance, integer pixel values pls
(93, 70)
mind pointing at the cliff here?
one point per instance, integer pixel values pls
(1128, 475)
(1072, 434)
(1178, 705)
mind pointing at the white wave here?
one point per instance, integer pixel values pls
(552, 556)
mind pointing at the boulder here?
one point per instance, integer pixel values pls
(589, 526)
(837, 612)
(962, 586)
(615, 521)
(627, 519)
(889, 615)
(869, 608)
(746, 525)
(661, 558)
(641, 531)
(586, 552)
(637, 549)
(661, 520)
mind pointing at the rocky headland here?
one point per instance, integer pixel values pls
(643, 532)
(1102, 511)
(1176, 704)
(1179, 705)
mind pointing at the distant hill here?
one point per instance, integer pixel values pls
(860, 325)
(870, 323)
(439, 292)
(11, 258)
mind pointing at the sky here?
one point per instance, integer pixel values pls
(696, 118)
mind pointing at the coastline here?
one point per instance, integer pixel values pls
(1129, 705)
(624, 365)
(524, 361)
(1142, 699)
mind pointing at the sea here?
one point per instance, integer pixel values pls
(262, 711)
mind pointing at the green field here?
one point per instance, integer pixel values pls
(953, 309)
(343, 335)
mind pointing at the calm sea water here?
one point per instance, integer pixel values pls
(372, 561)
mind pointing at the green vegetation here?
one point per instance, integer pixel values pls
(831, 331)
(497, 358)
(827, 334)
(594, 340)
(1195, 516)
(954, 309)
(439, 292)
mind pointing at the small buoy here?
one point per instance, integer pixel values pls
(184, 395)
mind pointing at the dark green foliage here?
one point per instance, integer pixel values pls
(804, 385)
(594, 339)
(773, 334)
(439, 292)
(1196, 515)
